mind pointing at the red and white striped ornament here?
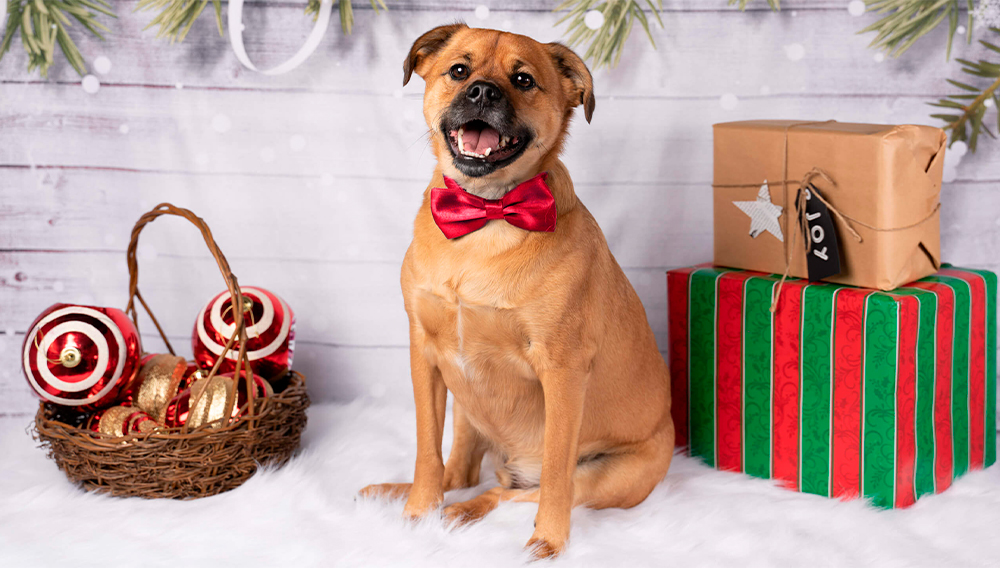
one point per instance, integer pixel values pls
(81, 356)
(270, 332)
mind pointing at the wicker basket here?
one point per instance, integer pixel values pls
(177, 463)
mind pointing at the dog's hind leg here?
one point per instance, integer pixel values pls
(622, 479)
(467, 450)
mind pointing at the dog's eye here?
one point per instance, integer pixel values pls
(458, 72)
(523, 81)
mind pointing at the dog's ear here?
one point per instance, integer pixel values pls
(571, 67)
(427, 45)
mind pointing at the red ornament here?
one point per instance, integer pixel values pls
(270, 332)
(81, 356)
(262, 389)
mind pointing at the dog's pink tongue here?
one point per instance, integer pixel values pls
(470, 138)
(488, 138)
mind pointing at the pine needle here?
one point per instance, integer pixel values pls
(346, 12)
(966, 119)
(742, 4)
(176, 17)
(43, 25)
(606, 44)
(903, 22)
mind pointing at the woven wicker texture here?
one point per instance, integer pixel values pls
(177, 463)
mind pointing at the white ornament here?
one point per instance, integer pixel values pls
(482, 12)
(856, 7)
(594, 19)
(91, 84)
(763, 214)
(879, 57)
(312, 42)
(123, 129)
(729, 101)
(179, 86)
(988, 103)
(102, 65)
(221, 123)
(960, 30)
(795, 51)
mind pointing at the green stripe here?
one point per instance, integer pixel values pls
(817, 368)
(703, 297)
(991, 365)
(959, 371)
(757, 376)
(923, 477)
(878, 420)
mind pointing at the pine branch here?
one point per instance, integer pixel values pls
(904, 22)
(45, 23)
(177, 16)
(742, 4)
(346, 12)
(607, 42)
(966, 121)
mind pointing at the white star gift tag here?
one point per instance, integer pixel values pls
(763, 214)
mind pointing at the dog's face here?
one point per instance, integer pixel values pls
(497, 104)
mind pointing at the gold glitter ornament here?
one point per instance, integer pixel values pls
(212, 401)
(157, 383)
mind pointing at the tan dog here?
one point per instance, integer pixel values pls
(539, 335)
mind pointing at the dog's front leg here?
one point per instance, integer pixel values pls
(564, 390)
(430, 396)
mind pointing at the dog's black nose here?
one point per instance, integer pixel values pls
(483, 93)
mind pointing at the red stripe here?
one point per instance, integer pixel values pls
(977, 365)
(677, 301)
(787, 348)
(729, 372)
(943, 467)
(848, 379)
(906, 399)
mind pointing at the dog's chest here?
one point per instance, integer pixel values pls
(475, 338)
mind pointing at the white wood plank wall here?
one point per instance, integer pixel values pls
(312, 191)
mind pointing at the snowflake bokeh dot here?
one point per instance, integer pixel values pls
(729, 101)
(856, 7)
(102, 65)
(91, 84)
(482, 12)
(594, 19)
(795, 51)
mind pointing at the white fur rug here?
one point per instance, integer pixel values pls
(306, 515)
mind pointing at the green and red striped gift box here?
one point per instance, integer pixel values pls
(842, 391)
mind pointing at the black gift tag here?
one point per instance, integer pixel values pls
(823, 258)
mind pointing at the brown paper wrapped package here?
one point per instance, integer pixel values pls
(888, 179)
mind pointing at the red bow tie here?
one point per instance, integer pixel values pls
(529, 206)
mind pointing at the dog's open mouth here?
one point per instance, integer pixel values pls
(476, 140)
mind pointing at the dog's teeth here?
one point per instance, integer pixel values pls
(487, 153)
(461, 145)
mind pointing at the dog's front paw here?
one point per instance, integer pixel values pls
(386, 491)
(542, 547)
(420, 503)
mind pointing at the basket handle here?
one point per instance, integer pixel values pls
(239, 336)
